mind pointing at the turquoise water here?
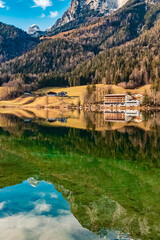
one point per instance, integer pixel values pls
(65, 183)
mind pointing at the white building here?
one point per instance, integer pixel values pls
(121, 100)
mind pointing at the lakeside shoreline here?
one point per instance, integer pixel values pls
(91, 107)
(75, 99)
(90, 120)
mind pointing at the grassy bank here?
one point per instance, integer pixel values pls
(75, 96)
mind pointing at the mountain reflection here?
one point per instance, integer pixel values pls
(106, 176)
(108, 120)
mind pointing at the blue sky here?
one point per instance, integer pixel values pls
(24, 13)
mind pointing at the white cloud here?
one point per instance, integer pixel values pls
(63, 211)
(42, 15)
(42, 207)
(2, 4)
(42, 227)
(42, 3)
(53, 14)
(2, 205)
(53, 195)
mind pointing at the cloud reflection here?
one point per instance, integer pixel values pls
(32, 227)
(34, 210)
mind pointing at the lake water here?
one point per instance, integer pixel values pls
(79, 176)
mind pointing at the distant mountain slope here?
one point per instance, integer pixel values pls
(14, 42)
(124, 25)
(35, 31)
(82, 11)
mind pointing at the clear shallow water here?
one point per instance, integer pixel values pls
(36, 210)
(67, 183)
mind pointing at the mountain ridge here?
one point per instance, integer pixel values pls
(14, 42)
(63, 59)
(81, 11)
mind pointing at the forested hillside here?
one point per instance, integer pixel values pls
(101, 52)
(136, 63)
(14, 42)
(54, 55)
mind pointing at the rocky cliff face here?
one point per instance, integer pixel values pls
(35, 31)
(79, 10)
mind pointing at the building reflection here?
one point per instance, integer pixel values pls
(122, 116)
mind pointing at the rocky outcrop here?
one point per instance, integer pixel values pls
(35, 31)
(81, 9)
